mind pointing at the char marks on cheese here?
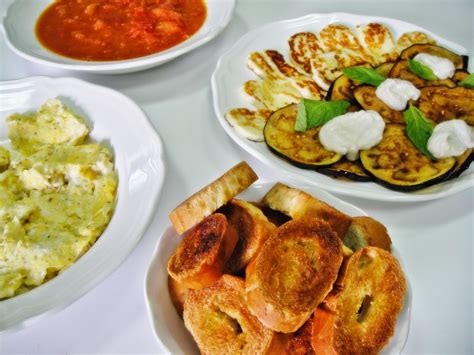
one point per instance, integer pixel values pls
(377, 40)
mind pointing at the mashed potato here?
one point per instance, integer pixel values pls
(56, 196)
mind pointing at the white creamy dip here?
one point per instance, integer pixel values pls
(354, 131)
(451, 139)
(443, 68)
(396, 93)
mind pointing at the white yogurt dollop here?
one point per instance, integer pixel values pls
(351, 132)
(396, 93)
(443, 68)
(451, 139)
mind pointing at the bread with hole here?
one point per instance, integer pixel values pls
(294, 271)
(207, 200)
(296, 204)
(201, 255)
(220, 322)
(360, 316)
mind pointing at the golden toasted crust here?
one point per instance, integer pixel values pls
(253, 229)
(221, 323)
(366, 231)
(293, 272)
(300, 341)
(296, 204)
(177, 294)
(361, 316)
(201, 255)
(212, 196)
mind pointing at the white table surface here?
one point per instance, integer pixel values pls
(434, 238)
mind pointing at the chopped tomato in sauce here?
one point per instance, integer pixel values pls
(106, 30)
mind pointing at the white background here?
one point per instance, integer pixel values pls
(434, 238)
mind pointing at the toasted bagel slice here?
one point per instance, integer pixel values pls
(366, 231)
(220, 322)
(211, 197)
(294, 271)
(201, 255)
(300, 341)
(253, 229)
(177, 294)
(296, 203)
(362, 315)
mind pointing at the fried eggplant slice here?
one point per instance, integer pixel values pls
(460, 75)
(352, 170)
(302, 149)
(384, 68)
(342, 89)
(440, 103)
(460, 61)
(401, 71)
(462, 163)
(397, 164)
(365, 96)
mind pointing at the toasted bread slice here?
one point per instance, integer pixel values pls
(177, 294)
(366, 231)
(361, 316)
(273, 216)
(253, 229)
(296, 203)
(211, 197)
(300, 341)
(220, 322)
(293, 273)
(201, 255)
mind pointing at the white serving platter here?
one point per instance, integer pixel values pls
(118, 122)
(231, 72)
(19, 24)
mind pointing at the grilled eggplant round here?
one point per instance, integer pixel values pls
(302, 149)
(460, 61)
(384, 68)
(342, 89)
(401, 71)
(397, 164)
(462, 163)
(366, 97)
(352, 170)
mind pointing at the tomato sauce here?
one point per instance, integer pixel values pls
(106, 30)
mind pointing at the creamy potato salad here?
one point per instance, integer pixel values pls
(57, 195)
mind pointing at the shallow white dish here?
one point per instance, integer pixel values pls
(231, 73)
(169, 328)
(118, 122)
(20, 19)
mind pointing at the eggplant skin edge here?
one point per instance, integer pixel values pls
(463, 167)
(293, 162)
(410, 188)
(345, 174)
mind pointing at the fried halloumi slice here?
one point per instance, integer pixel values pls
(248, 123)
(409, 38)
(271, 94)
(377, 40)
(341, 40)
(272, 66)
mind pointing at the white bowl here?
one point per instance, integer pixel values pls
(169, 328)
(20, 19)
(231, 73)
(138, 155)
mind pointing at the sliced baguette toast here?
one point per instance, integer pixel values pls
(253, 229)
(296, 204)
(177, 294)
(366, 231)
(360, 317)
(294, 271)
(220, 322)
(201, 255)
(211, 197)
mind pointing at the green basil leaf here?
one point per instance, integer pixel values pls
(419, 130)
(421, 70)
(312, 113)
(468, 82)
(364, 75)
